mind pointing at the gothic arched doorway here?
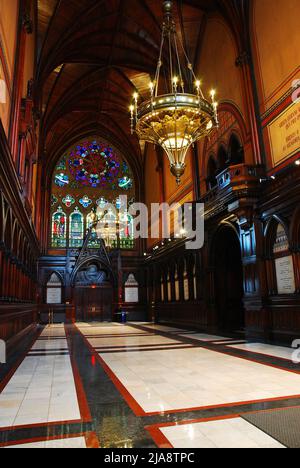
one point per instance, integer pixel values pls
(93, 294)
(228, 280)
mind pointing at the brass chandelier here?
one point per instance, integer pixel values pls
(174, 120)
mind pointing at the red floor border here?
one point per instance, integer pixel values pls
(159, 438)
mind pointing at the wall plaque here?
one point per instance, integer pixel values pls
(285, 134)
(285, 275)
(54, 296)
(131, 295)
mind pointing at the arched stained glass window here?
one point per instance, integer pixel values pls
(59, 229)
(76, 229)
(90, 176)
(126, 226)
(90, 223)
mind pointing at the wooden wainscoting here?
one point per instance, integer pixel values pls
(16, 320)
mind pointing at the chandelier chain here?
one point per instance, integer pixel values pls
(174, 119)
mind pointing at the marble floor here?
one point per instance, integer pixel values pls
(42, 390)
(266, 349)
(230, 433)
(142, 385)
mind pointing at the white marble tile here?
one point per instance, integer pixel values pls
(206, 338)
(72, 443)
(266, 349)
(229, 342)
(232, 433)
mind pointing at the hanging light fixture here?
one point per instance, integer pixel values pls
(177, 119)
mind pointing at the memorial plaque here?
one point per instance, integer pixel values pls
(54, 296)
(285, 275)
(285, 134)
(131, 295)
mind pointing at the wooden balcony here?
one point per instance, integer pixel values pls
(232, 184)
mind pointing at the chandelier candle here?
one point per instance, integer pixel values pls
(174, 119)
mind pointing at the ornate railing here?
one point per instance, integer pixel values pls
(235, 176)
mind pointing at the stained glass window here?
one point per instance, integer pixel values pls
(90, 221)
(68, 201)
(96, 165)
(85, 201)
(61, 180)
(54, 200)
(76, 234)
(59, 232)
(90, 176)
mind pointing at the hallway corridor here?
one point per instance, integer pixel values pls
(145, 385)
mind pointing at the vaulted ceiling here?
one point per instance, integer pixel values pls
(92, 56)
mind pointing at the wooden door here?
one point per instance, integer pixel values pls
(93, 304)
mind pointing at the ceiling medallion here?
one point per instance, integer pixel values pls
(174, 119)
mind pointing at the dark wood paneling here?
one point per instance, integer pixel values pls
(14, 319)
(184, 314)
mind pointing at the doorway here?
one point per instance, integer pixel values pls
(93, 293)
(228, 279)
(94, 304)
